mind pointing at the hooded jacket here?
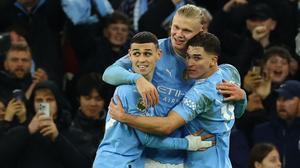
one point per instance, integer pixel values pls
(21, 149)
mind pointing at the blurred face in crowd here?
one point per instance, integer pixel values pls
(278, 68)
(117, 33)
(18, 63)
(200, 64)
(269, 24)
(288, 109)
(272, 160)
(2, 110)
(182, 30)
(46, 96)
(143, 57)
(92, 105)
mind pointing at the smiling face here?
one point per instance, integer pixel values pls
(182, 30)
(143, 57)
(278, 68)
(117, 33)
(200, 64)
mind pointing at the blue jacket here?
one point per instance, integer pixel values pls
(285, 137)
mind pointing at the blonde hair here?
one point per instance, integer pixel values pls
(191, 11)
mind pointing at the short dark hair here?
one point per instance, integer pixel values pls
(19, 47)
(208, 41)
(276, 50)
(259, 152)
(89, 82)
(144, 37)
(116, 17)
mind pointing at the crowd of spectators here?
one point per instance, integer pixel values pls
(55, 51)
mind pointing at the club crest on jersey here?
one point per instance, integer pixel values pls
(140, 105)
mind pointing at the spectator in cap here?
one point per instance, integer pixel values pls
(250, 37)
(284, 130)
(261, 22)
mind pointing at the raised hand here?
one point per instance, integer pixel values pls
(15, 108)
(231, 91)
(48, 127)
(116, 110)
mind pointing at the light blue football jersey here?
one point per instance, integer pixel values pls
(203, 108)
(171, 86)
(122, 146)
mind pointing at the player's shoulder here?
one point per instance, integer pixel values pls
(228, 67)
(125, 90)
(163, 40)
(231, 72)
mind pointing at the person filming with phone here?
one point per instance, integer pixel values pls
(260, 82)
(42, 140)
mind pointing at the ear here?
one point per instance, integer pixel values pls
(214, 60)
(5, 65)
(129, 54)
(257, 164)
(159, 53)
(273, 24)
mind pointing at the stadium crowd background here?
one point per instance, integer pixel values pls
(59, 48)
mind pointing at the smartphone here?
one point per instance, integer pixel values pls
(256, 70)
(18, 94)
(45, 108)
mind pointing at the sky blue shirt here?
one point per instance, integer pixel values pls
(168, 79)
(122, 146)
(203, 107)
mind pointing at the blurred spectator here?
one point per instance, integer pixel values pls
(112, 46)
(284, 130)
(14, 36)
(207, 18)
(16, 111)
(89, 123)
(264, 155)
(81, 11)
(260, 83)
(42, 21)
(275, 70)
(2, 109)
(16, 74)
(243, 47)
(158, 16)
(41, 140)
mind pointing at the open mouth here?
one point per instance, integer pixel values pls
(178, 42)
(142, 67)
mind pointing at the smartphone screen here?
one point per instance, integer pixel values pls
(256, 70)
(18, 94)
(45, 108)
